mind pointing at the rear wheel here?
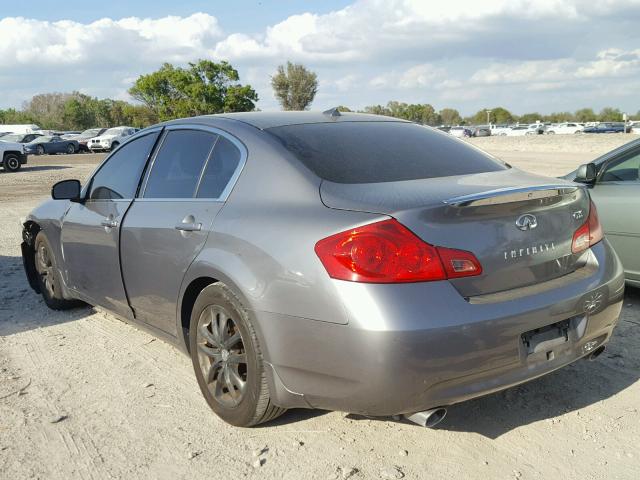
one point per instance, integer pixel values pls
(48, 278)
(11, 162)
(227, 359)
(71, 149)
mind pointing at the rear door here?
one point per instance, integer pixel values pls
(617, 197)
(167, 227)
(91, 229)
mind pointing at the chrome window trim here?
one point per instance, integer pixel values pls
(232, 181)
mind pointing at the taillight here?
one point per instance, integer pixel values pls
(589, 233)
(388, 252)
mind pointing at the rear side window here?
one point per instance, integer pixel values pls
(372, 152)
(177, 167)
(219, 169)
(118, 178)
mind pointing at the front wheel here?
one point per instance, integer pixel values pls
(49, 281)
(40, 150)
(11, 163)
(227, 359)
(114, 145)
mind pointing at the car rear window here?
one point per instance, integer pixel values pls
(374, 152)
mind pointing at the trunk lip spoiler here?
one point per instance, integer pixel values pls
(512, 194)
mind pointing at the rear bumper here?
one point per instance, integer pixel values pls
(412, 347)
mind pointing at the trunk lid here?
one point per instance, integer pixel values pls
(478, 213)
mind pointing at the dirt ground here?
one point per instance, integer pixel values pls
(85, 396)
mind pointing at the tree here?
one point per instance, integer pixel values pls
(203, 88)
(450, 116)
(498, 115)
(585, 115)
(342, 108)
(48, 108)
(609, 114)
(530, 118)
(294, 86)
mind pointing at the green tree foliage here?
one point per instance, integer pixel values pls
(342, 108)
(414, 112)
(585, 115)
(203, 88)
(530, 117)
(450, 116)
(294, 86)
(498, 115)
(609, 114)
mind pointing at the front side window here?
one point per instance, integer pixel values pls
(220, 168)
(626, 169)
(177, 167)
(118, 178)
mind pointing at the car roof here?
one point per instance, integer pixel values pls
(264, 120)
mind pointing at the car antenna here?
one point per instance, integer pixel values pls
(332, 112)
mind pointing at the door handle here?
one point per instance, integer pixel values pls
(109, 223)
(189, 227)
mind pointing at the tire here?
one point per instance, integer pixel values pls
(11, 162)
(71, 149)
(218, 364)
(114, 145)
(48, 276)
(551, 132)
(39, 150)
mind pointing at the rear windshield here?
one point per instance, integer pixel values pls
(373, 152)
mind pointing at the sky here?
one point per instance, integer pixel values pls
(544, 56)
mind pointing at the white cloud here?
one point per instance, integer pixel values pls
(462, 54)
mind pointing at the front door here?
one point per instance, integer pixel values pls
(617, 198)
(91, 228)
(167, 227)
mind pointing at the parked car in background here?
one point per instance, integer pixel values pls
(481, 131)
(421, 272)
(606, 127)
(614, 186)
(22, 128)
(564, 129)
(51, 145)
(20, 137)
(84, 137)
(500, 130)
(12, 156)
(2, 134)
(460, 132)
(518, 130)
(536, 129)
(110, 139)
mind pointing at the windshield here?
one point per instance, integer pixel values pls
(372, 152)
(92, 132)
(41, 140)
(113, 131)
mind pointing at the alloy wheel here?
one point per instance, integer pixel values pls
(44, 266)
(222, 356)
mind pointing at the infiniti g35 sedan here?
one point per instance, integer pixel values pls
(334, 261)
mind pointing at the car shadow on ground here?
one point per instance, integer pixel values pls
(41, 168)
(22, 309)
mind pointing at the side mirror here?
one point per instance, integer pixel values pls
(66, 190)
(586, 173)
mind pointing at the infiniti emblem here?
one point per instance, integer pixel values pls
(593, 302)
(526, 222)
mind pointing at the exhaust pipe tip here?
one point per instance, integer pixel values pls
(428, 418)
(596, 353)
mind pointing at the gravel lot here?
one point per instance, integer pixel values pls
(83, 395)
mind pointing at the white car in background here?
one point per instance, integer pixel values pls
(500, 130)
(518, 130)
(460, 132)
(565, 128)
(111, 139)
